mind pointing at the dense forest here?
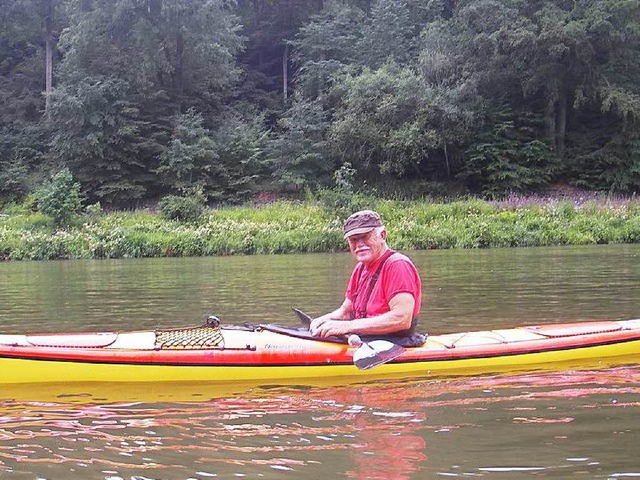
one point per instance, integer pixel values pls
(225, 100)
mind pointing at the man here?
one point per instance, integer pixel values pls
(384, 293)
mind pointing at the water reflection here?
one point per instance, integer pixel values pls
(573, 424)
(563, 424)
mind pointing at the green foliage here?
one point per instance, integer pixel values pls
(508, 160)
(94, 210)
(21, 66)
(611, 164)
(287, 227)
(186, 209)
(390, 33)
(243, 144)
(324, 46)
(21, 150)
(224, 165)
(269, 27)
(60, 198)
(13, 177)
(191, 160)
(126, 71)
(342, 200)
(298, 156)
(230, 98)
(98, 132)
(392, 122)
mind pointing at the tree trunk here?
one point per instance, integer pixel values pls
(179, 67)
(446, 161)
(561, 125)
(285, 71)
(448, 9)
(550, 118)
(49, 43)
(155, 8)
(556, 119)
(258, 13)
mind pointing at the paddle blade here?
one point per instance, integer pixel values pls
(303, 317)
(377, 352)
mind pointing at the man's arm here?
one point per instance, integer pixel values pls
(343, 312)
(395, 320)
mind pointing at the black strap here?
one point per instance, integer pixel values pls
(406, 338)
(372, 281)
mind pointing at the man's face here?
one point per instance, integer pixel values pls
(367, 247)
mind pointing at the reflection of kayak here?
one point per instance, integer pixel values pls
(280, 355)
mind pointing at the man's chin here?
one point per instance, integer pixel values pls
(363, 256)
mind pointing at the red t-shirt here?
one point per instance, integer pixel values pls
(398, 275)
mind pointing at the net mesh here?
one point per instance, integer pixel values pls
(189, 338)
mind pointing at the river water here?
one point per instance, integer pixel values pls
(580, 424)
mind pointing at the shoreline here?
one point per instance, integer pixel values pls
(306, 227)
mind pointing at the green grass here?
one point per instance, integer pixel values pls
(289, 227)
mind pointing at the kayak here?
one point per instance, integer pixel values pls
(275, 355)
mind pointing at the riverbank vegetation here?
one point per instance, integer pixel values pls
(312, 226)
(141, 99)
(140, 128)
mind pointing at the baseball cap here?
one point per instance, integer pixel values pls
(361, 222)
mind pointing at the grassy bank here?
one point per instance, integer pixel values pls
(287, 227)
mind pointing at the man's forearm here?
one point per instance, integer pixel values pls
(339, 313)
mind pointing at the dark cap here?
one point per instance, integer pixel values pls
(361, 222)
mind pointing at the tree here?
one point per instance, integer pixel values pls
(563, 62)
(268, 26)
(298, 154)
(501, 161)
(27, 32)
(279, 93)
(190, 161)
(563, 54)
(129, 68)
(325, 47)
(98, 133)
(222, 165)
(298, 151)
(49, 42)
(393, 122)
(391, 32)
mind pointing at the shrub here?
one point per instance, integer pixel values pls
(187, 209)
(94, 210)
(60, 198)
(342, 200)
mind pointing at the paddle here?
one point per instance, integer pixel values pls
(303, 317)
(368, 354)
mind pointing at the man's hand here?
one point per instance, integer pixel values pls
(326, 327)
(332, 323)
(338, 324)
